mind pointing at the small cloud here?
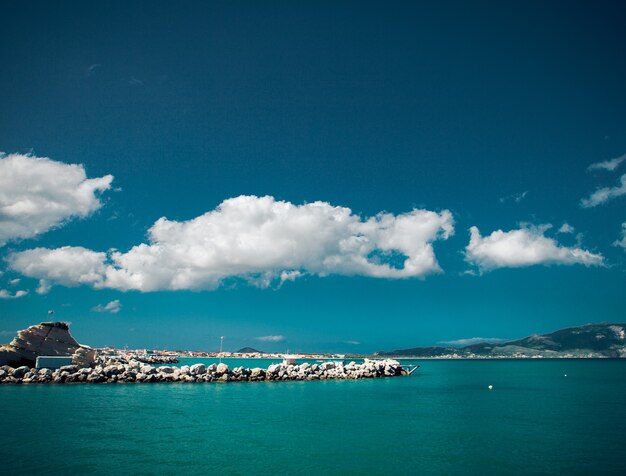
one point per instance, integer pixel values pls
(352, 342)
(468, 272)
(44, 287)
(135, 82)
(605, 194)
(4, 294)
(15, 282)
(471, 341)
(622, 242)
(526, 246)
(516, 197)
(91, 70)
(609, 165)
(112, 307)
(271, 338)
(289, 276)
(566, 228)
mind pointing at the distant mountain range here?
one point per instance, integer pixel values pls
(590, 340)
(249, 350)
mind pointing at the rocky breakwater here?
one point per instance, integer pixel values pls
(156, 359)
(133, 371)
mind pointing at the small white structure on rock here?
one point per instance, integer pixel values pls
(52, 361)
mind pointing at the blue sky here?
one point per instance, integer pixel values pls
(484, 116)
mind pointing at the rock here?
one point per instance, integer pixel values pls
(111, 370)
(47, 338)
(20, 371)
(165, 370)
(95, 377)
(197, 369)
(84, 356)
(68, 368)
(238, 371)
(148, 369)
(222, 369)
(274, 368)
(257, 373)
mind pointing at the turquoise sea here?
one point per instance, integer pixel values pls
(442, 420)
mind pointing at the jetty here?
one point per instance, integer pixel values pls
(134, 371)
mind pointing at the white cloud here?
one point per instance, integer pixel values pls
(524, 247)
(92, 69)
(15, 282)
(603, 195)
(566, 228)
(44, 287)
(609, 165)
(472, 340)
(516, 197)
(271, 338)
(37, 194)
(289, 276)
(67, 266)
(352, 342)
(622, 242)
(112, 307)
(257, 239)
(4, 294)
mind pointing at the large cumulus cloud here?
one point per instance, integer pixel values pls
(37, 194)
(258, 239)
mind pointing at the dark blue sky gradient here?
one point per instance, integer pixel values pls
(370, 105)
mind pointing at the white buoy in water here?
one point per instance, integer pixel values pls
(490, 387)
(565, 375)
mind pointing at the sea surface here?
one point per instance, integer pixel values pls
(559, 417)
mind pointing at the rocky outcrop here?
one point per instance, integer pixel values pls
(47, 338)
(132, 371)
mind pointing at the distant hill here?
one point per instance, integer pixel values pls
(590, 340)
(250, 350)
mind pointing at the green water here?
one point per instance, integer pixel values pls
(442, 420)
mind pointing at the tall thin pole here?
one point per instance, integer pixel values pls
(221, 346)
